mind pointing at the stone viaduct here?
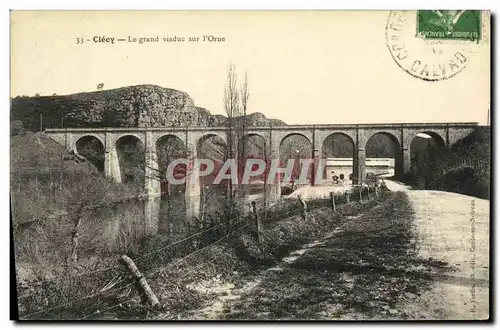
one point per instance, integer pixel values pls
(445, 135)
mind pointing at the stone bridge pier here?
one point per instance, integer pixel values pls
(359, 134)
(192, 193)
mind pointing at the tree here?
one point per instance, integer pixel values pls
(231, 106)
(337, 146)
(242, 128)
(100, 86)
(17, 127)
(80, 201)
(242, 122)
(171, 148)
(380, 146)
(235, 100)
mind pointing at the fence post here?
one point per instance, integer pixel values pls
(61, 173)
(36, 185)
(360, 196)
(304, 207)
(147, 295)
(258, 221)
(332, 197)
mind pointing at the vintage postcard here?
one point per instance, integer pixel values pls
(251, 165)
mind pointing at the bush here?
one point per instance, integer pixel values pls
(17, 128)
(44, 220)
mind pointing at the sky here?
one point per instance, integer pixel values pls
(310, 67)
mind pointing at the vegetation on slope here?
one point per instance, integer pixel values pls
(50, 189)
(429, 164)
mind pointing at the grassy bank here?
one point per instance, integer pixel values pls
(281, 237)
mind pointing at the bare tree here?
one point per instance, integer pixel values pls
(232, 108)
(80, 200)
(208, 196)
(236, 105)
(167, 151)
(231, 95)
(241, 133)
(244, 96)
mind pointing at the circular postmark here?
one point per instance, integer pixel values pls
(428, 53)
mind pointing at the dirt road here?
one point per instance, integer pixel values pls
(453, 228)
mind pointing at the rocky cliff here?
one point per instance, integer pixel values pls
(134, 106)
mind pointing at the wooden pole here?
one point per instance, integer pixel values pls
(51, 184)
(74, 240)
(258, 222)
(147, 295)
(304, 207)
(36, 186)
(61, 173)
(360, 196)
(332, 197)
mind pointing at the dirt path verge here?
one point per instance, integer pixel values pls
(453, 228)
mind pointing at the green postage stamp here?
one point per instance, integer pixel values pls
(449, 24)
(434, 45)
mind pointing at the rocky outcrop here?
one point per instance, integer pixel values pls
(258, 119)
(134, 106)
(253, 119)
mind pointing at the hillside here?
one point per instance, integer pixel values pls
(31, 152)
(476, 144)
(427, 168)
(133, 106)
(46, 186)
